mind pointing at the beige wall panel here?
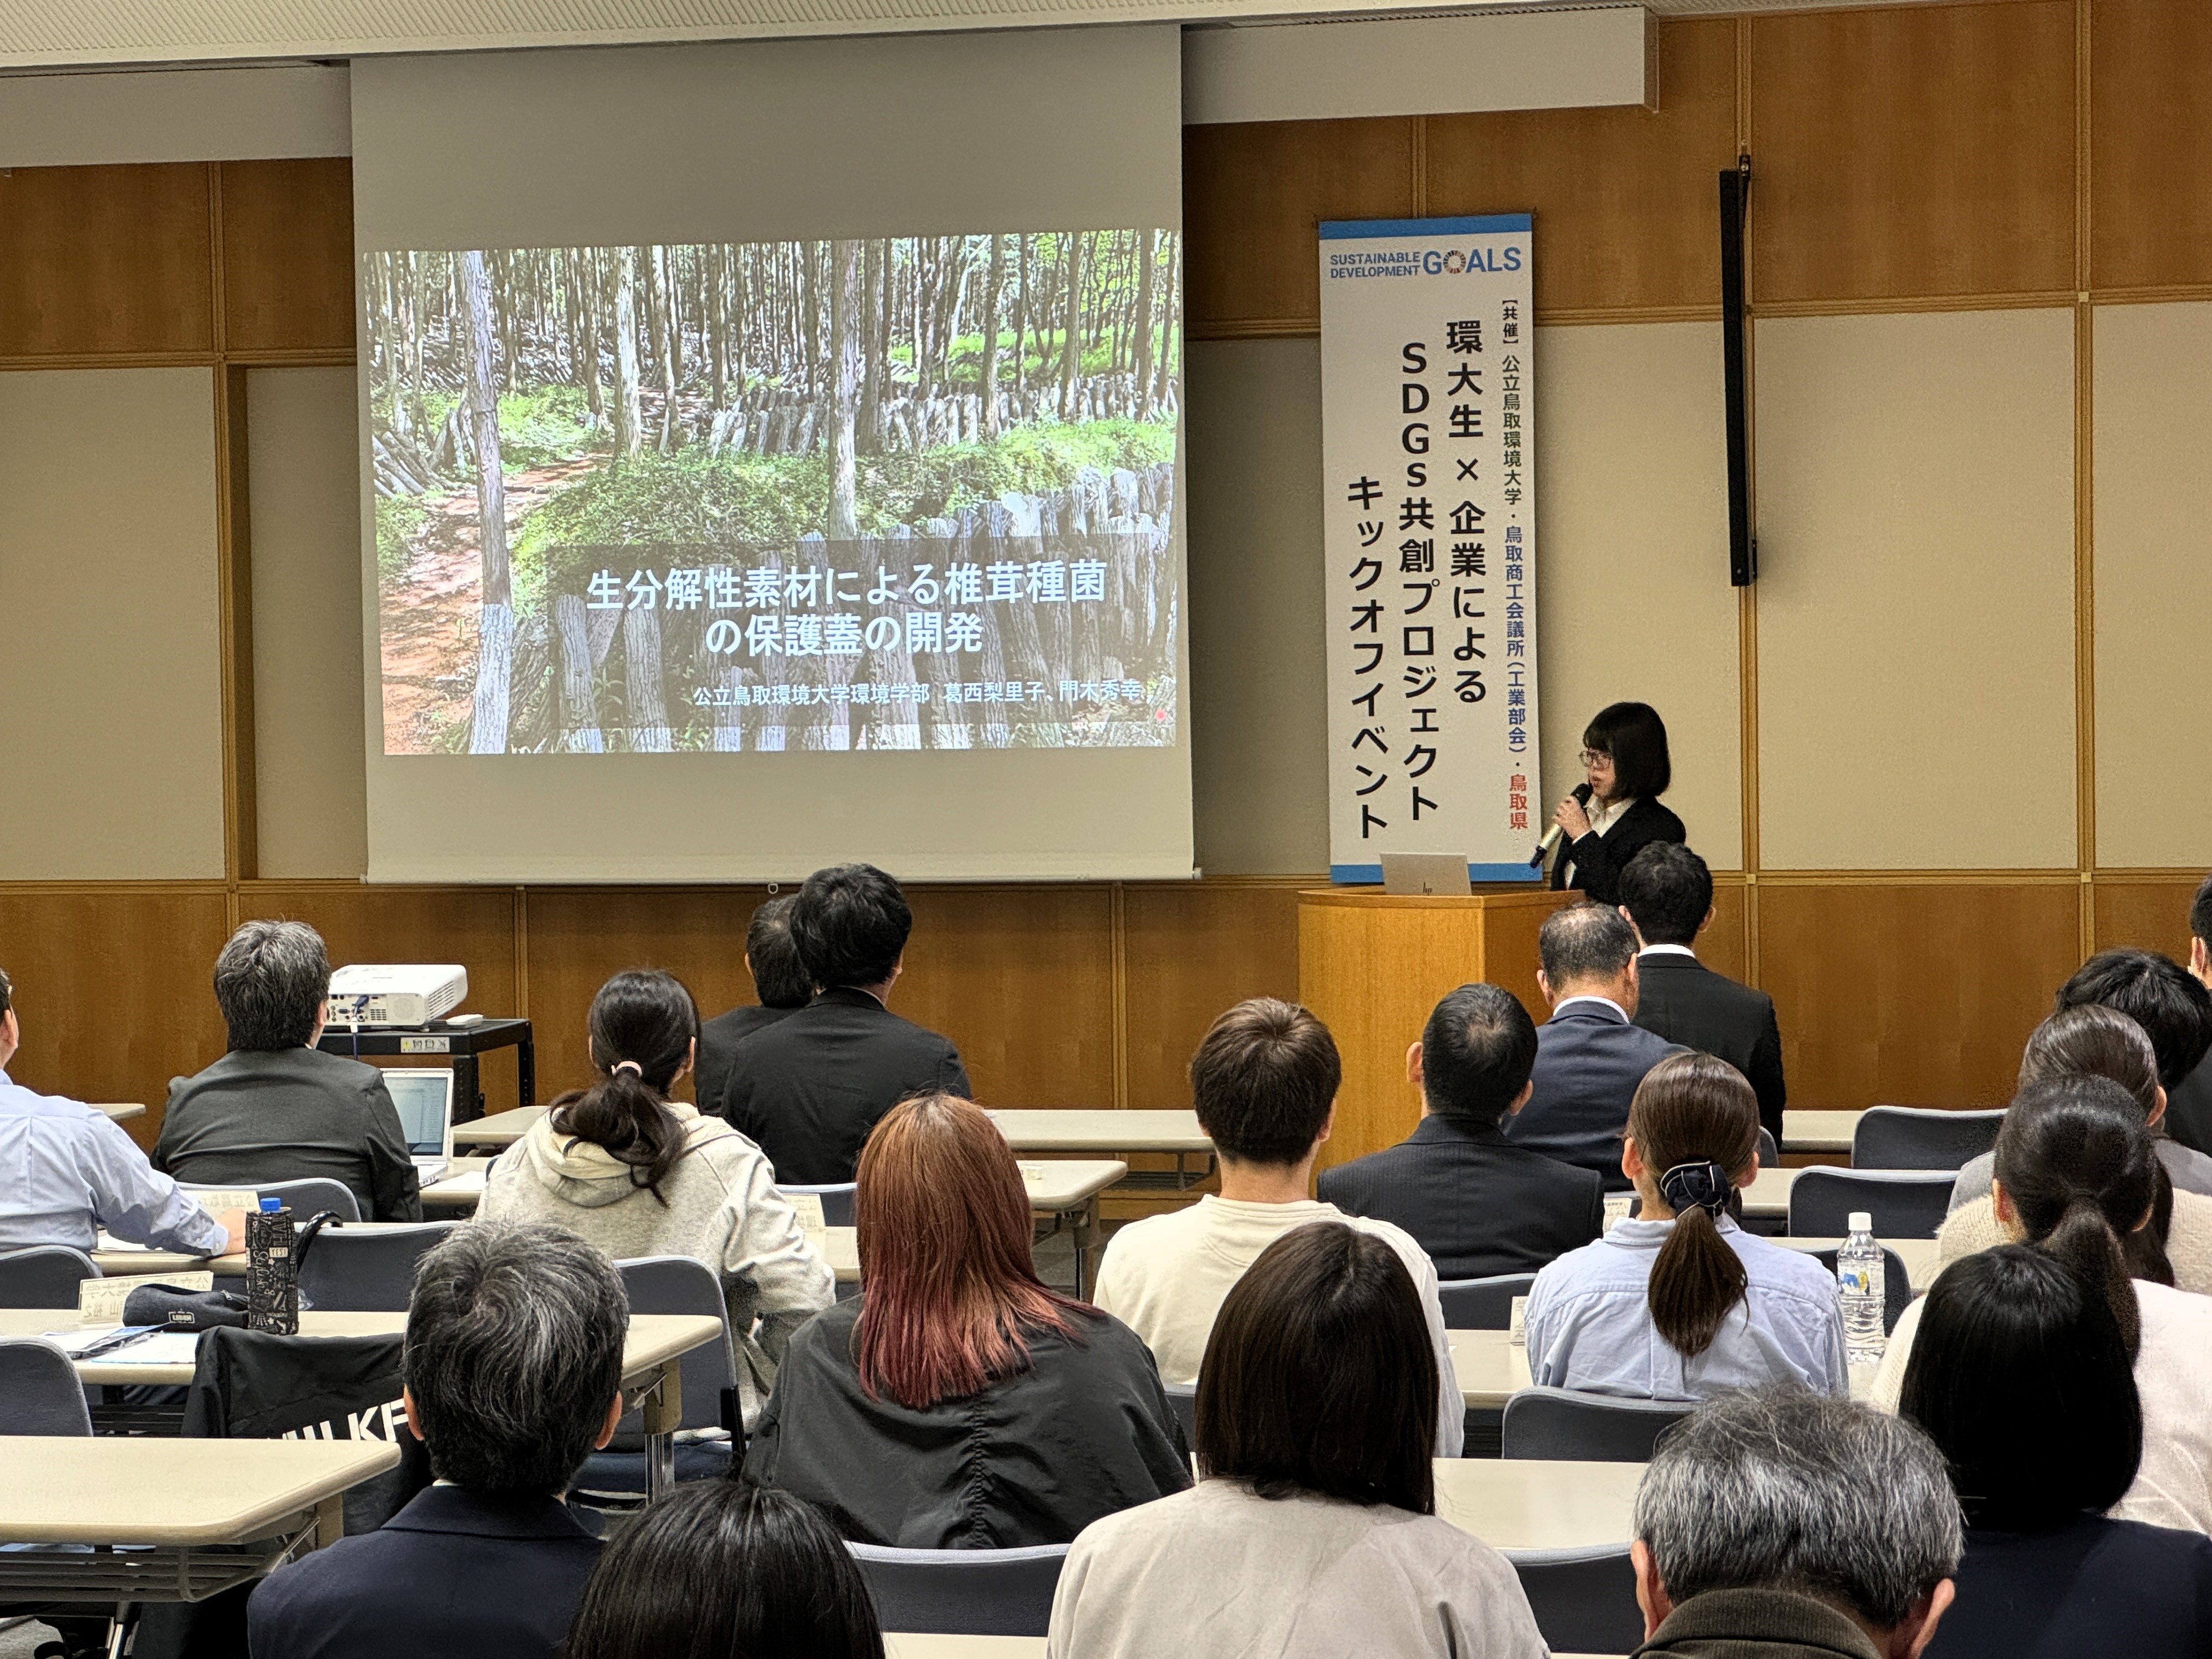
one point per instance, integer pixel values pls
(108, 629)
(303, 475)
(1916, 619)
(2154, 501)
(1633, 601)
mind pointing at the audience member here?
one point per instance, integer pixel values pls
(2076, 1176)
(1680, 1302)
(1667, 893)
(513, 1376)
(1589, 1056)
(958, 1403)
(809, 1088)
(720, 1570)
(637, 1173)
(1624, 758)
(2175, 1012)
(779, 981)
(1779, 1524)
(276, 1108)
(1476, 1203)
(2091, 1040)
(1264, 1081)
(2189, 1115)
(2011, 1344)
(1313, 1530)
(72, 1171)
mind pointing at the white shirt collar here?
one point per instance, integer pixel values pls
(1570, 1002)
(1667, 951)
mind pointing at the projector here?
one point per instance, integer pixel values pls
(396, 994)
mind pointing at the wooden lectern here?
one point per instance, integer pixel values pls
(1371, 965)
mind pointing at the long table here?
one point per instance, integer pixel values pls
(1818, 1132)
(1492, 1369)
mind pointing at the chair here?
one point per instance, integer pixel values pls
(1567, 1425)
(1482, 1304)
(1915, 1138)
(39, 1393)
(1896, 1285)
(1184, 1396)
(1585, 1598)
(44, 1276)
(1904, 1203)
(309, 1196)
(367, 1266)
(1770, 1154)
(674, 1285)
(961, 1592)
(836, 1202)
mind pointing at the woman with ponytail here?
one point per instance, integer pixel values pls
(2078, 1178)
(1682, 1302)
(638, 1175)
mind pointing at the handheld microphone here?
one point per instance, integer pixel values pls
(1552, 836)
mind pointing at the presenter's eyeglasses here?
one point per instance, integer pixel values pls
(1592, 758)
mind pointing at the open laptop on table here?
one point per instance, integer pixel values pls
(1425, 872)
(424, 1097)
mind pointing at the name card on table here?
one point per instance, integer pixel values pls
(100, 1301)
(215, 1202)
(809, 1207)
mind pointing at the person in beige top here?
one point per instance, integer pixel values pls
(1313, 1531)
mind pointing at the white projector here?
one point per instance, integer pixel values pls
(396, 994)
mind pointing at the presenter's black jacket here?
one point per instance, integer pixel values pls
(719, 1038)
(259, 1115)
(458, 1574)
(1690, 1004)
(1599, 860)
(1085, 1431)
(1589, 1061)
(809, 1088)
(2093, 1587)
(1476, 1203)
(2189, 1109)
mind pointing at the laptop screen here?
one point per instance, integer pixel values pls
(425, 1099)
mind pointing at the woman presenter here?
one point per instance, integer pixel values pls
(1617, 810)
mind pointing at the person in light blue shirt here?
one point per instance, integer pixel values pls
(67, 1171)
(1683, 1304)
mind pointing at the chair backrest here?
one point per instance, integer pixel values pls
(1916, 1138)
(961, 1592)
(1584, 1599)
(309, 1196)
(44, 1276)
(39, 1390)
(1184, 1396)
(367, 1266)
(1567, 1425)
(1482, 1304)
(1904, 1203)
(679, 1284)
(1770, 1154)
(1896, 1285)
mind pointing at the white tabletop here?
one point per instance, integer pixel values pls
(120, 1110)
(963, 1647)
(1533, 1505)
(499, 1129)
(156, 1490)
(1492, 1368)
(1768, 1195)
(1074, 1130)
(1919, 1256)
(1818, 1132)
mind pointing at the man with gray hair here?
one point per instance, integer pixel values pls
(1781, 1524)
(275, 1107)
(1589, 1056)
(513, 1377)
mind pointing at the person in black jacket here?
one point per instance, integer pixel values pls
(1626, 770)
(1666, 894)
(780, 980)
(957, 1403)
(810, 1088)
(1479, 1205)
(2188, 1099)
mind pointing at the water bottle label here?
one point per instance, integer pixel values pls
(1854, 1279)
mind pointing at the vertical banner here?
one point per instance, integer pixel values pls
(1429, 486)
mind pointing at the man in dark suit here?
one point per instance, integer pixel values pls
(810, 1088)
(779, 980)
(1666, 894)
(1479, 1205)
(2189, 1101)
(1589, 1054)
(513, 1377)
(275, 1107)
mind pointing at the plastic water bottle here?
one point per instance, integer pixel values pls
(272, 1275)
(1859, 1285)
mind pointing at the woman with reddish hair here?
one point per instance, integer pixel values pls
(958, 1403)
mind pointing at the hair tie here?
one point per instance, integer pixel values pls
(626, 1065)
(1700, 1186)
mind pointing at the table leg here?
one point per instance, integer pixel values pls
(1086, 1244)
(663, 1415)
(330, 1521)
(525, 1069)
(468, 1100)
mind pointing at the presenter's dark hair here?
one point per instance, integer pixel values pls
(1668, 892)
(2159, 996)
(7, 992)
(2091, 1040)
(723, 1570)
(1477, 1051)
(1636, 738)
(1263, 1080)
(2012, 1343)
(1693, 1109)
(2200, 912)
(270, 981)
(779, 977)
(1584, 941)
(1319, 1376)
(642, 1025)
(850, 923)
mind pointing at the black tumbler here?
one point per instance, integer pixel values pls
(273, 1270)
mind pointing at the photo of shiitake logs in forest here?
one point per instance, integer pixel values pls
(892, 494)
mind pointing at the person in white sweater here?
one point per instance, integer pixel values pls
(1313, 1531)
(1264, 1081)
(637, 1173)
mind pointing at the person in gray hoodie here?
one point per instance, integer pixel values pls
(638, 1175)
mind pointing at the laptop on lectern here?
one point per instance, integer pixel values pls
(1425, 872)
(425, 1099)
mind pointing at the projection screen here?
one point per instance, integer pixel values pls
(771, 456)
